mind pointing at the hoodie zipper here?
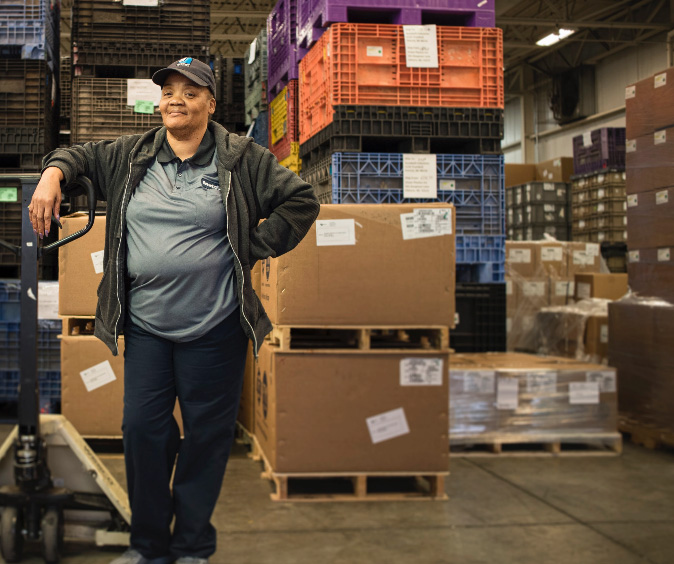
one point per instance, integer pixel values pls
(243, 278)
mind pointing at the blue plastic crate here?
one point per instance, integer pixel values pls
(480, 258)
(49, 345)
(10, 300)
(260, 129)
(475, 184)
(49, 384)
(28, 30)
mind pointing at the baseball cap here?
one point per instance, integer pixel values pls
(198, 72)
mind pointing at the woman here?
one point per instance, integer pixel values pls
(184, 204)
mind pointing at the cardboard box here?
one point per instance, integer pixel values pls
(80, 265)
(516, 174)
(314, 411)
(650, 219)
(606, 286)
(522, 259)
(651, 272)
(246, 414)
(649, 161)
(555, 170)
(382, 279)
(95, 413)
(648, 104)
(583, 258)
(596, 339)
(256, 277)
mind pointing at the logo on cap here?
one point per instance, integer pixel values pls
(187, 61)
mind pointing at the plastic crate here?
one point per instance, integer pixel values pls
(26, 94)
(260, 129)
(480, 318)
(255, 64)
(315, 15)
(49, 384)
(473, 183)
(101, 111)
(341, 69)
(49, 345)
(22, 148)
(480, 258)
(283, 56)
(284, 122)
(230, 107)
(29, 30)
(605, 151)
(65, 79)
(10, 301)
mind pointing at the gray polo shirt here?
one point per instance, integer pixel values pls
(179, 260)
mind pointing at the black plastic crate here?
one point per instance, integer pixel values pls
(26, 94)
(22, 148)
(481, 318)
(605, 151)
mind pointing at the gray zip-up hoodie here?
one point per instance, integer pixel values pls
(257, 188)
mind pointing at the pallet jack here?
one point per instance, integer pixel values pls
(70, 491)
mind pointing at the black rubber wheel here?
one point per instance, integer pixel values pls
(11, 535)
(52, 535)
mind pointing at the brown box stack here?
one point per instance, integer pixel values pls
(599, 211)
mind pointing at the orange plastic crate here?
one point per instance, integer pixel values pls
(365, 64)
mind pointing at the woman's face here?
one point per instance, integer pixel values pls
(185, 106)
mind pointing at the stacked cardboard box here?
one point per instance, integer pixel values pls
(517, 398)
(326, 407)
(599, 211)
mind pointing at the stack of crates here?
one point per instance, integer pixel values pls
(114, 45)
(538, 208)
(230, 93)
(255, 90)
(29, 68)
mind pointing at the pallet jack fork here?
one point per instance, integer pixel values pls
(43, 498)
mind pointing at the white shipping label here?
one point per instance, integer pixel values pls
(509, 287)
(552, 254)
(549, 186)
(421, 372)
(605, 379)
(478, 381)
(520, 256)
(253, 50)
(97, 260)
(581, 258)
(375, 51)
(564, 289)
(48, 300)
(584, 290)
(426, 222)
(420, 176)
(603, 334)
(664, 255)
(98, 375)
(600, 193)
(388, 425)
(660, 80)
(142, 89)
(630, 92)
(633, 256)
(447, 184)
(549, 208)
(660, 137)
(587, 139)
(147, 3)
(421, 47)
(630, 145)
(662, 197)
(541, 383)
(507, 393)
(335, 232)
(600, 207)
(600, 179)
(583, 393)
(592, 250)
(632, 200)
(581, 224)
(457, 318)
(509, 324)
(533, 289)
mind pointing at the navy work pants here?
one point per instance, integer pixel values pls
(206, 376)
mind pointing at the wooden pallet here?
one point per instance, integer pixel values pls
(645, 434)
(359, 338)
(583, 444)
(245, 437)
(354, 486)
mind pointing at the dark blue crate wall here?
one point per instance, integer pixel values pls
(473, 183)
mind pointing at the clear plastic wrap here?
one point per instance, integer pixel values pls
(513, 397)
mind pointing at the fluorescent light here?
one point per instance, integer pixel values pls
(555, 37)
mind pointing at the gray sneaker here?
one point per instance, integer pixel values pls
(191, 560)
(131, 556)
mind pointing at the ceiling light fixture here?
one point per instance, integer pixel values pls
(555, 37)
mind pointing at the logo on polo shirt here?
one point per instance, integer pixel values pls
(186, 62)
(210, 182)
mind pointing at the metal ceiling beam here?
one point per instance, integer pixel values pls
(581, 24)
(252, 14)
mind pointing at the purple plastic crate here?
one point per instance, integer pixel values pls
(315, 15)
(605, 149)
(283, 54)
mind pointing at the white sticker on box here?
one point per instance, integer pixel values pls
(142, 89)
(447, 184)
(98, 375)
(583, 393)
(605, 379)
(426, 222)
(630, 92)
(421, 47)
(660, 137)
(552, 254)
(253, 50)
(584, 290)
(630, 145)
(603, 334)
(97, 260)
(561, 193)
(507, 393)
(581, 258)
(533, 289)
(420, 176)
(549, 186)
(457, 319)
(388, 425)
(564, 289)
(541, 382)
(600, 179)
(592, 249)
(335, 232)
(48, 300)
(549, 208)
(662, 197)
(632, 200)
(509, 287)
(660, 80)
(520, 256)
(478, 381)
(587, 139)
(600, 193)
(664, 255)
(146, 3)
(600, 208)
(509, 324)
(633, 256)
(374, 51)
(421, 372)
(581, 224)
(518, 198)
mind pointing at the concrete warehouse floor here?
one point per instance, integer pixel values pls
(538, 510)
